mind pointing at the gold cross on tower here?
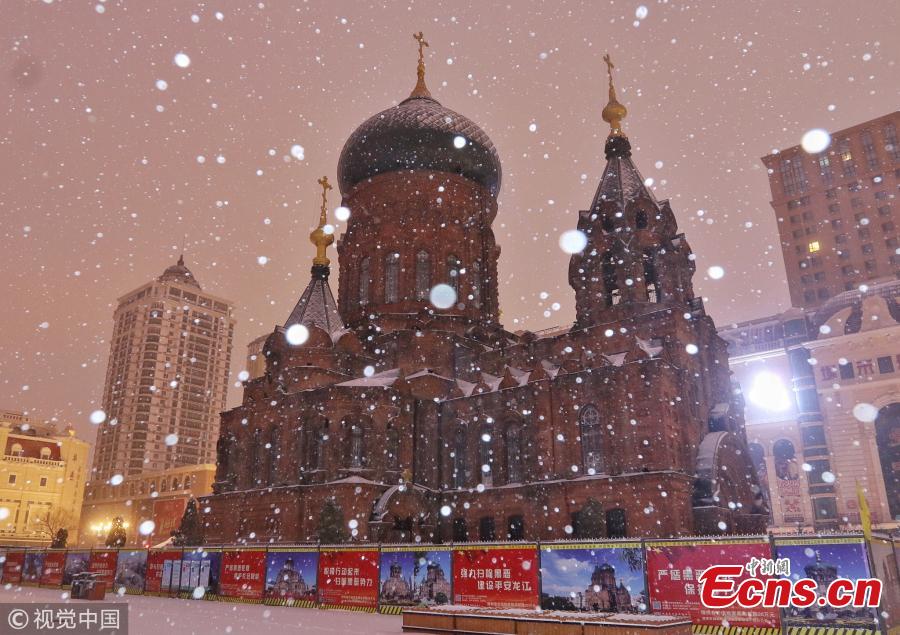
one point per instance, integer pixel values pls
(614, 112)
(318, 237)
(421, 90)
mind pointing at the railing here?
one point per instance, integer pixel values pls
(13, 458)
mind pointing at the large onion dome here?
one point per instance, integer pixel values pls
(419, 134)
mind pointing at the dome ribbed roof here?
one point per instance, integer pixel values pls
(179, 273)
(418, 133)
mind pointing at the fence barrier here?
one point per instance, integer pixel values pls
(640, 576)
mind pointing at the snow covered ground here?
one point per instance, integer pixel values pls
(154, 616)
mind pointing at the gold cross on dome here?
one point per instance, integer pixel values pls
(325, 187)
(420, 38)
(609, 66)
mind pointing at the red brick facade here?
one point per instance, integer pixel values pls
(438, 424)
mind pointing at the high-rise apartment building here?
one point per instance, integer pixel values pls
(836, 210)
(167, 377)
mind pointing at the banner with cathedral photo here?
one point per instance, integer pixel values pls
(243, 574)
(348, 578)
(103, 563)
(823, 560)
(672, 569)
(291, 576)
(887, 569)
(200, 571)
(601, 576)
(54, 565)
(131, 570)
(159, 570)
(496, 576)
(76, 562)
(414, 576)
(12, 567)
(33, 567)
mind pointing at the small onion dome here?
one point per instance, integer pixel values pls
(179, 273)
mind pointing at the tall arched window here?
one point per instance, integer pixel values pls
(485, 455)
(315, 449)
(453, 269)
(514, 453)
(640, 219)
(393, 450)
(591, 440)
(299, 449)
(274, 455)
(616, 523)
(365, 274)
(356, 446)
(610, 280)
(650, 279)
(392, 277)
(476, 283)
(459, 458)
(423, 275)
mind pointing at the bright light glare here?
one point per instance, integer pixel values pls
(768, 392)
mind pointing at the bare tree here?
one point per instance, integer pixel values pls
(50, 524)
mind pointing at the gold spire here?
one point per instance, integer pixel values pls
(613, 112)
(421, 90)
(318, 237)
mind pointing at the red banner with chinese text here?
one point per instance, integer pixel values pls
(166, 518)
(348, 577)
(156, 561)
(54, 564)
(104, 563)
(673, 567)
(496, 576)
(12, 567)
(243, 574)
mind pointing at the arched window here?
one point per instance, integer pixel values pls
(453, 272)
(640, 219)
(392, 277)
(356, 446)
(515, 527)
(393, 450)
(785, 459)
(17, 449)
(610, 280)
(591, 440)
(460, 530)
(365, 274)
(164, 485)
(187, 482)
(616, 523)
(459, 458)
(176, 484)
(476, 283)
(486, 455)
(45, 453)
(650, 279)
(274, 454)
(514, 453)
(315, 449)
(423, 275)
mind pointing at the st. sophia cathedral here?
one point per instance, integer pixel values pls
(415, 423)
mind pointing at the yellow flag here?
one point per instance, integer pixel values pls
(865, 517)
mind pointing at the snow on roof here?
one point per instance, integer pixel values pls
(649, 347)
(616, 359)
(384, 378)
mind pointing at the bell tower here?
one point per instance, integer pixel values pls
(635, 259)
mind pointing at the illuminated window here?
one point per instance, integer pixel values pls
(814, 246)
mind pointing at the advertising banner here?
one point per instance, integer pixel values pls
(243, 574)
(104, 563)
(414, 576)
(12, 567)
(33, 567)
(291, 576)
(672, 569)
(157, 561)
(823, 560)
(496, 576)
(600, 576)
(200, 570)
(166, 518)
(54, 563)
(886, 570)
(348, 578)
(76, 562)
(131, 571)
